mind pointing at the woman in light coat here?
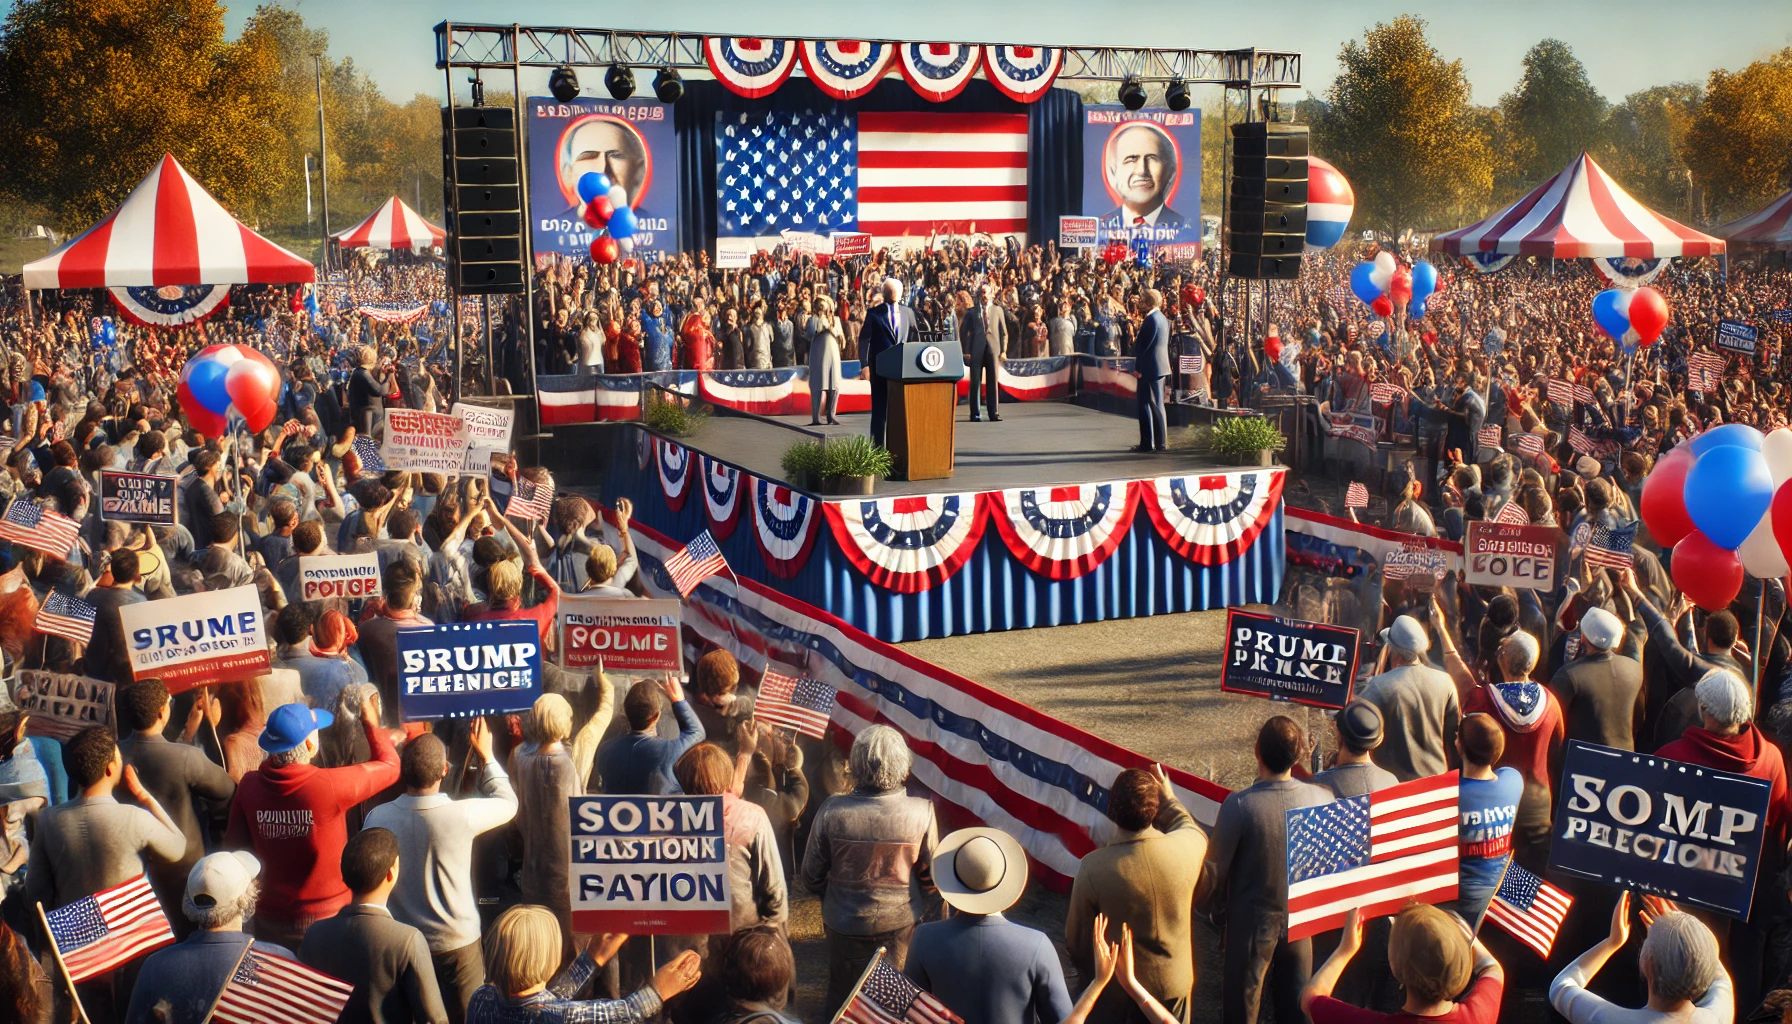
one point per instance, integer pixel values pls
(825, 337)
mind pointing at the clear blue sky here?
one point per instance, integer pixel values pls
(1626, 45)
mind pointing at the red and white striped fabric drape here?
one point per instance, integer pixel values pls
(1771, 225)
(393, 226)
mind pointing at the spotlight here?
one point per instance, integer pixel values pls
(668, 86)
(1132, 94)
(564, 84)
(620, 81)
(1176, 96)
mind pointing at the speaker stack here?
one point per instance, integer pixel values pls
(483, 200)
(1267, 205)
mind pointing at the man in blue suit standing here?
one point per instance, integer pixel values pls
(1151, 358)
(886, 326)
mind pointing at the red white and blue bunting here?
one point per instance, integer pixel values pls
(722, 486)
(1210, 519)
(908, 544)
(171, 305)
(938, 71)
(1023, 73)
(750, 66)
(846, 68)
(786, 523)
(674, 464)
(1063, 533)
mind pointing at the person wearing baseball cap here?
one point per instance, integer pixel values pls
(1354, 773)
(1601, 692)
(180, 982)
(1418, 704)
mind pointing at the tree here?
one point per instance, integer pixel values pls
(1642, 142)
(1736, 144)
(1548, 119)
(1400, 127)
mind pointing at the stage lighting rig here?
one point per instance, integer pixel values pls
(1176, 96)
(1132, 94)
(668, 86)
(620, 81)
(564, 84)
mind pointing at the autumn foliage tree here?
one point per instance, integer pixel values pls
(1737, 144)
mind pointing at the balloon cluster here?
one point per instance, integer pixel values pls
(1383, 284)
(607, 211)
(219, 378)
(1114, 252)
(1722, 502)
(105, 332)
(1193, 295)
(1632, 316)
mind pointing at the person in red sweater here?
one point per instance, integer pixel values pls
(506, 590)
(1531, 717)
(291, 816)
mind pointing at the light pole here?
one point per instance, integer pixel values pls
(323, 159)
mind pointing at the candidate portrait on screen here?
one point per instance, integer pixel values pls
(610, 146)
(1142, 167)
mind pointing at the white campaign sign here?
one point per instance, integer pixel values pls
(427, 442)
(322, 577)
(486, 427)
(219, 636)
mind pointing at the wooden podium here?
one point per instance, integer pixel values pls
(922, 378)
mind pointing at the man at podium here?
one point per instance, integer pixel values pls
(886, 326)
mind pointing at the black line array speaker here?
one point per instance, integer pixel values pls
(482, 189)
(1266, 209)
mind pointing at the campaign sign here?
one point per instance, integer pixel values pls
(1692, 835)
(427, 442)
(1506, 555)
(735, 253)
(649, 865)
(629, 141)
(349, 577)
(1135, 166)
(137, 497)
(622, 634)
(851, 243)
(1780, 316)
(1078, 232)
(61, 705)
(468, 669)
(1737, 336)
(486, 427)
(1414, 562)
(219, 636)
(1287, 659)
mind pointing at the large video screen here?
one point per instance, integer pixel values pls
(1142, 174)
(632, 142)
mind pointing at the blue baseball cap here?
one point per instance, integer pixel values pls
(289, 725)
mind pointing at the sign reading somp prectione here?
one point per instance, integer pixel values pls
(649, 865)
(1288, 659)
(466, 669)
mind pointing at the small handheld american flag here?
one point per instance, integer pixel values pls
(97, 933)
(50, 532)
(1489, 436)
(1356, 495)
(800, 704)
(274, 990)
(1562, 392)
(1512, 514)
(884, 996)
(1583, 394)
(694, 563)
(1375, 853)
(1528, 443)
(530, 500)
(1703, 370)
(369, 453)
(1385, 392)
(1609, 546)
(66, 616)
(1579, 441)
(1529, 909)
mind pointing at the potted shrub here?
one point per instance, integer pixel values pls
(852, 465)
(1247, 440)
(802, 465)
(674, 419)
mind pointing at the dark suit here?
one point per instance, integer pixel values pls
(882, 332)
(985, 342)
(388, 962)
(1151, 358)
(1602, 699)
(177, 774)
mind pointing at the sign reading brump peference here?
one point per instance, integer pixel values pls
(427, 442)
(215, 637)
(1288, 659)
(649, 865)
(1508, 555)
(348, 577)
(623, 634)
(137, 498)
(466, 669)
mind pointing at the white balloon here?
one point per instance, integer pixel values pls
(1777, 450)
(627, 245)
(1384, 270)
(618, 196)
(1761, 554)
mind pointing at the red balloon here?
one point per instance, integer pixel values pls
(1781, 511)
(1401, 286)
(604, 249)
(203, 420)
(1272, 347)
(1193, 295)
(1708, 574)
(1383, 306)
(260, 417)
(1664, 498)
(598, 211)
(1648, 314)
(253, 384)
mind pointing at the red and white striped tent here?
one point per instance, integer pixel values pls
(1769, 227)
(393, 226)
(169, 231)
(1577, 214)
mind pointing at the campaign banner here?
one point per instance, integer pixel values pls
(486, 427)
(735, 253)
(1690, 834)
(61, 705)
(482, 461)
(1079, 232)
(1507, 555)
(348, 577)
(631, 142)
(852, 243)
(1415, 563)
(1142, 174)
(138, 497)
(219, 636)
(1780, 316)
(1289, 660)
(468, 669)
(649, 865)
(1737, 336)
(622, 634)
(427, 442)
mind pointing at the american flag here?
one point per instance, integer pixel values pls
(1490, 436)
(1703, 371)
(800, 704)
(694, 563)
(1579, 441)
(1561, 391)
(530, 500)
(1528, 443)
(930, 173)
(884, 996)
(1376, 853)
(1610, 546)
(274, 990)
(49, 532)
(1529, 909)
(1582, 393)
(1356, 495)
(368, 451)
(96, 933)
(66, 616)
(1513, 514)
(1385, 392)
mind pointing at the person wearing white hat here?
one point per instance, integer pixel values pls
(179, 983)
(1418, 704)
(1601, 692)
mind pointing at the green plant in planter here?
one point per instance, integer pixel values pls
(673, 418)
(1238, 436)
(855, 455)
(802, 461)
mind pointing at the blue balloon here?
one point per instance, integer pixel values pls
(1424, 280)
(1360, 283)
(1727, 491)
(622, 223)
(1416, 308)
(593, 184)
(206, 381)
(1740, 434)
(1606, 314)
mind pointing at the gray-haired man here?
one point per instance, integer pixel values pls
(886, 326)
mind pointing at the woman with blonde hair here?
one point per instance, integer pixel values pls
(1433, 958)
(547, 773)
(366, 392)
(826, 336)
(522, 951)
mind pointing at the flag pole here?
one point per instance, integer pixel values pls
(62, 968)
(854, 994)
(240, 957)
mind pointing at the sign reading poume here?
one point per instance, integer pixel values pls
(1287, 659)
(1737, 336)
(137, 497)
(61, 705)
(486, 427)
(1507, 555)
(622, 634)
(219, 636)
(349, 577)
(467, 669)
(649, 865)
(1690, 834)
(426, 442)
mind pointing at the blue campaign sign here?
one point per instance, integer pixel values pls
(466, 669)
(1690, 834)
(1288, 659)
(1737, 336)
(649, 865)
(1780, 316)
